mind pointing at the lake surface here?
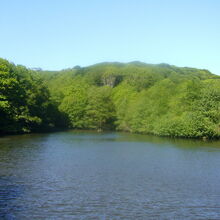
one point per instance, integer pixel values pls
(88, 175)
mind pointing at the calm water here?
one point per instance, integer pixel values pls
(88, 175)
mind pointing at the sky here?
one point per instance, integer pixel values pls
(58, 34)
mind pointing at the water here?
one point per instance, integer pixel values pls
(88, 175)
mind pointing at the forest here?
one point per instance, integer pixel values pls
(136, 97)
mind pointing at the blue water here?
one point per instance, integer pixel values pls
(88, 175)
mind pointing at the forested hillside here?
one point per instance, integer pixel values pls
(136, 97)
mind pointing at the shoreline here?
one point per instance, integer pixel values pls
(204, 139)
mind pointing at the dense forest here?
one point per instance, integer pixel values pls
(136, 97)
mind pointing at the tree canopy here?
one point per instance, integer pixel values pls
(158, 99)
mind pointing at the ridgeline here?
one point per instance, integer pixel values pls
(161, 99)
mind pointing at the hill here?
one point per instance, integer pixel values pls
(137, 97)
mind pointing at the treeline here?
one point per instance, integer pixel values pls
(158, 99)
(25, 102)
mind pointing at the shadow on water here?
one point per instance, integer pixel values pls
(86, 135)
(177, 142)
(183, 143)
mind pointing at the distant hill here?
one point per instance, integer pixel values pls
(137, 97)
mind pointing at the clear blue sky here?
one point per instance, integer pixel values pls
(56, 34)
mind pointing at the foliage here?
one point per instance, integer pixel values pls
(159, 99)
(24, 101)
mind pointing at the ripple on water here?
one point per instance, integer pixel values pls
(88, 175)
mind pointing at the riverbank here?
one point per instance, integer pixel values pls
(54, 130)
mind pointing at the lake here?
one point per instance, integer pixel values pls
(89, 175)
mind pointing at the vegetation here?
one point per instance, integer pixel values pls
(159, 99)
(25, 102)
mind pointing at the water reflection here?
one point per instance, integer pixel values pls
(89, 175)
